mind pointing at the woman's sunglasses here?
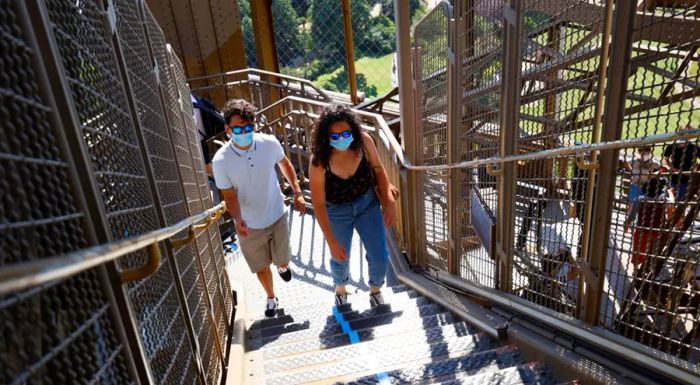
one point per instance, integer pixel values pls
(237, 130)
(345, 134)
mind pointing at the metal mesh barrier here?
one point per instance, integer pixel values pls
(431, 49)
(85, 44)
(49, 328)
(481, 63)
(652, 290)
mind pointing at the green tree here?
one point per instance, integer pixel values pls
(301, 7)
(248, 34)
(388, 8)
(327, 29)
(381, 37)
(287, 32)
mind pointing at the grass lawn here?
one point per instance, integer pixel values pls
(377, 70)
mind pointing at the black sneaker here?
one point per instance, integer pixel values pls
(286, 273)
(341, 299)
(376, 299)
(271, 307)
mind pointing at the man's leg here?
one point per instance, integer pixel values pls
(265, 278)
(279, 246)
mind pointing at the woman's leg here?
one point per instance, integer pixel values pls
(341, 218)
(369, 224)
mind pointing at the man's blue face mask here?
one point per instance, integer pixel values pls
(242, 136)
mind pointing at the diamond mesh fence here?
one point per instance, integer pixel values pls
(48, 328)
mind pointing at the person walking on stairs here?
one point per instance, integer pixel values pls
(244, 171)
(345, 167)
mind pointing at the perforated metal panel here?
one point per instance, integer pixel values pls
(48, 331)
(84, 39)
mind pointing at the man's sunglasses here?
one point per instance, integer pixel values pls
(237, 130)
(345, 134)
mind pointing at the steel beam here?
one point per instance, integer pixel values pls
(510, 110)
(621, 49)
(349, 51)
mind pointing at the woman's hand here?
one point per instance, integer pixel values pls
(389, 211)
(337, 251)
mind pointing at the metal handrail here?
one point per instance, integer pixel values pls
(443, 6)
(24, 275)
(543, 154)
(247, 71)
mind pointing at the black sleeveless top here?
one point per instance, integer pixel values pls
(339, 190)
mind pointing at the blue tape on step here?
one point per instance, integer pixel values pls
(345, 325)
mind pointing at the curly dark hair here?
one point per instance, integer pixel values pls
(321, 135)
(240, 107)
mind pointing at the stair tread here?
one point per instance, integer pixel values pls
(531, 373)
(424, 341)
(374, 317)
(407, 366)
(321, 313)
(283, 344)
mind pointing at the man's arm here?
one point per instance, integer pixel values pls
(290, 174)
(234, 209)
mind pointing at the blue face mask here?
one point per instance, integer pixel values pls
(243, 140)
(342, 143)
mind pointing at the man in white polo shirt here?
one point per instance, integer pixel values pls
(244, 170)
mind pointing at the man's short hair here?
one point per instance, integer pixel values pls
(240, 107)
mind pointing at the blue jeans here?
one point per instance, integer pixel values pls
(679, 190)
(364, 214)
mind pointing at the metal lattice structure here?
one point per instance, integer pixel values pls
(101, 153)
(527, 81)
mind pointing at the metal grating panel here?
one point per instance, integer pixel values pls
(65, 324)
(431, 45)
(187, 258)
(83, 34)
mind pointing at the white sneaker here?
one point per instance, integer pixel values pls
(271, 307)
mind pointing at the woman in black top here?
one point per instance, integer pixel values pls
(345, 167)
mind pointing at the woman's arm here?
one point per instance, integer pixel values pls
(386, 196)
(317, 180)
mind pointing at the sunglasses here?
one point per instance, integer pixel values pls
(248, 128)
(345, 134)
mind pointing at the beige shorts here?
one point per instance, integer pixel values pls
(265, 246)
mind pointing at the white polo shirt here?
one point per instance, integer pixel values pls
(252, 174)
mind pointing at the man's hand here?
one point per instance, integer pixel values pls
(241, 227)
(299, 203)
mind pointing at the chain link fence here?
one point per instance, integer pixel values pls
(106, 150)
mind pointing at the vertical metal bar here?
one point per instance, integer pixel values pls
(510, 106)
(590, 186)
(266, 50)
(620, 53)
(408, 124)
(349, 51)
(37, 14)
(158, 206)
(454, 123)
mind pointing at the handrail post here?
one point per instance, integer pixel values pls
(512, 14)
(349, 52)
(617, 78)
(454, 124)
(408, 127)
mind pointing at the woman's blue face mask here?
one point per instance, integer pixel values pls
(341, 140)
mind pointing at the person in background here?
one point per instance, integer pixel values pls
(641, 169)
(244, 170)
(681, 158)
(651, 212)
(345, 166)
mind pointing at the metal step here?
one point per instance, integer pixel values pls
(463, 353)
(532, 373)
(417, 341)
(320, 313)
(374, 317)
(476, 364)
(309, 340)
